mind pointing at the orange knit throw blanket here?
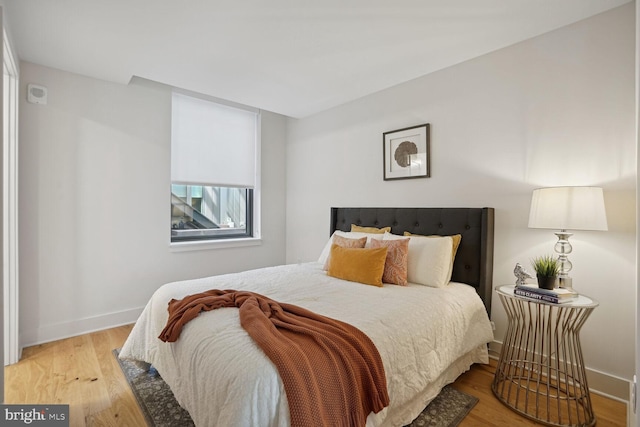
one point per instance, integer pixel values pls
(331, 371)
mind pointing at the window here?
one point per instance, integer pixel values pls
(213, 170)
(205, 212)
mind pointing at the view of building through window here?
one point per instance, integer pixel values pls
(200, 212)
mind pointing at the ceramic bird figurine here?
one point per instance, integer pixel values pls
(521, 274)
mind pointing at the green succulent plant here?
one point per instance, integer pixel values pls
(546, 266)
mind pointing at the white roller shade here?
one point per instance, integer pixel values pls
(212, 144)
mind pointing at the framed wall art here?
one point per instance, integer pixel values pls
(406, 153)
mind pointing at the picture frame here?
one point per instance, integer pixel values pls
(406, 153)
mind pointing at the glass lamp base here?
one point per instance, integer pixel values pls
(565, 282)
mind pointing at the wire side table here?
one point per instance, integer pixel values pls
(540, 373)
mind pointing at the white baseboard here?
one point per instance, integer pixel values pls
(599, 382)
(57, 331)
(632, 417)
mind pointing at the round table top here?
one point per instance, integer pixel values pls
(582, 301)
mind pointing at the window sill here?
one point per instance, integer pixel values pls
(214, 244)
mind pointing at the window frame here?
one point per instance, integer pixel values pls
(218, 234)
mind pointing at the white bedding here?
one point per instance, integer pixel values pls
(426, 337)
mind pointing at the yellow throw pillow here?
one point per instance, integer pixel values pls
(357, 264)
(375, 230)
(395, 266)
(345, 242)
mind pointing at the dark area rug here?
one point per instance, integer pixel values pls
(160, 408)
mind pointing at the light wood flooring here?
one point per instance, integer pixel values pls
(82, 372)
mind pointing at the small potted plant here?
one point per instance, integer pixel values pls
(547, 268)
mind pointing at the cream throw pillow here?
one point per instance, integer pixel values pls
(429, 260)
(457, 238)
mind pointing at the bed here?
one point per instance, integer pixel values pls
(426, 336)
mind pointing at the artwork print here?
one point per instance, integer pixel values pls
(406, 153)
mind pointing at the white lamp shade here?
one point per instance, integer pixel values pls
(568, 208)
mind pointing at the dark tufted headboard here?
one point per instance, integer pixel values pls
(474, 261)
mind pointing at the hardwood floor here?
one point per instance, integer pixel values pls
(82, 372)
(490, 412)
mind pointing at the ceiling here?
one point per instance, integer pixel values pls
(293, 57)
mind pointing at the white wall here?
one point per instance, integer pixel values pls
(554, 110)
(94, 205)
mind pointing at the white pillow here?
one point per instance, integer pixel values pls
(324, 255)
(429, 260)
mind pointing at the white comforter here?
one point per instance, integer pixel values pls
(426, 337)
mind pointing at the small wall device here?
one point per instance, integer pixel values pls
(36, 94)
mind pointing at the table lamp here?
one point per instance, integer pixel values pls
(567, 208)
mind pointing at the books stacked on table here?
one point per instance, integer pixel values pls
(556, 296)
